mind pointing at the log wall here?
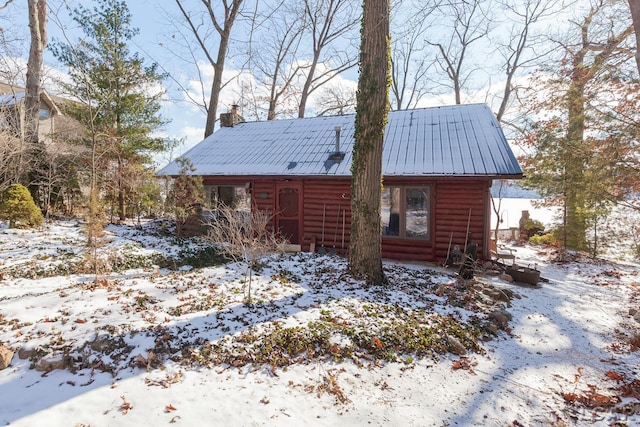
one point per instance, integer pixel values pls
(458, 203)
(326, 212)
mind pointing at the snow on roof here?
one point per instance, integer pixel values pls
(460, 140)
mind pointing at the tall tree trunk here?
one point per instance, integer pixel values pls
(223, 28)
(574, 159)
(634, 5)
(306, 90)
(38, 30)
(216, 86)
(365, 251)
(575, 152)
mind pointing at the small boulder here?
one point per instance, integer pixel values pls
(48, 365)
(633, 311)
(27, 353)
(500, 318)
(6, 354)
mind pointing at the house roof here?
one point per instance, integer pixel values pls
(11, 98)
(460, 140)
(11, 95)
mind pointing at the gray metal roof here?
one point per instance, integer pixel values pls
(460, 140)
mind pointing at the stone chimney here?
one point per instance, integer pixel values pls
(232, 118)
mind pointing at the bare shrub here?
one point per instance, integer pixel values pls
(244, 236)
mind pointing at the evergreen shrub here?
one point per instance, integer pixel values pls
(17, 207)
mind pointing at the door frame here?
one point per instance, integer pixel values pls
(297, 185)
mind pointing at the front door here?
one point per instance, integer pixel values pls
(288, 209)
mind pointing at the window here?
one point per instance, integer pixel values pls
(44, 113)
(405, 212)
(235, 196)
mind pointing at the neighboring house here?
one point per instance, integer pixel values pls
(438, 166)
(56, 129)
(12, 112)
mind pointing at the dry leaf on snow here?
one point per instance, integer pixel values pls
(614, 376)
(125, 407)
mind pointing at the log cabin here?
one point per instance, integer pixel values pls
(438, 167)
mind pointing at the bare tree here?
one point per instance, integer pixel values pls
(330, 22)
(202, 24)
(522, 48)
(577, 143)
(467, 23)
(5, 41)
(275, 56)
(38, 30)
(365, 251)
(336, 99)
(588, 59)
(410, 60)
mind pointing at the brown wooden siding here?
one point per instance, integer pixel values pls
(328, 198)
(455, 201)
(451, 201)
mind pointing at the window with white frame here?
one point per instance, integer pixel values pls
(406, 212)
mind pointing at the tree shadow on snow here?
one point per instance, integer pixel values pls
(27, 391)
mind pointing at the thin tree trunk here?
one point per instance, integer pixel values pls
(38, 31)
(365, 252)
(212, 112)
(122, 211)
(304, 96)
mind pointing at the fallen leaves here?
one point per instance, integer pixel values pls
(170, 408)
(148, 363)
(614, 376)
(592, 398)
(377, 343)
(166, 382)
(577, 376)
(331, 386)
(464, 363)
(125, 407)
(631, 389)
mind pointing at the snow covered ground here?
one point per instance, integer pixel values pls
(147, 345)
(511, 212)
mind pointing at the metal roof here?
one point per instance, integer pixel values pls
(11, 99)
(460, 140)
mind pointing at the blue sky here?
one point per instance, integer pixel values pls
(186, 119)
